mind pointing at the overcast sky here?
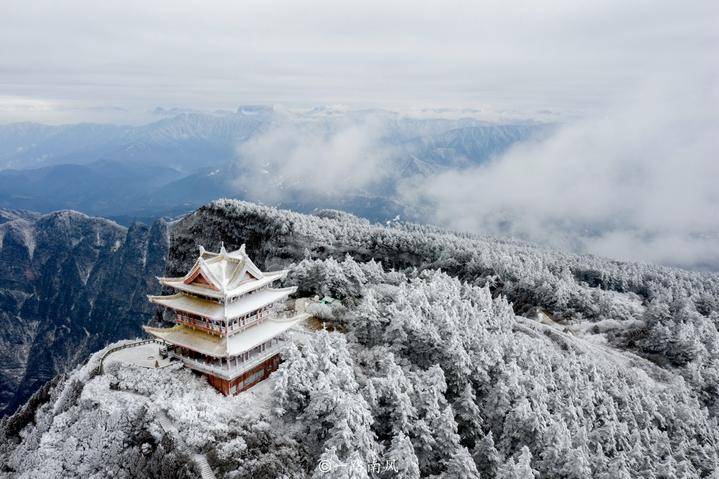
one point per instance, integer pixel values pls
(80, 60)
(632, 171)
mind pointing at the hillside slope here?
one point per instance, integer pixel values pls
(176, 164)
(435, 372)
(434, 378)
(671, 315)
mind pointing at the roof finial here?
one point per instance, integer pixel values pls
(223, 251)
(242, 248)
(202, 250)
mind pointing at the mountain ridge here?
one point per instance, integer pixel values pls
(444, 367)
(166, 168)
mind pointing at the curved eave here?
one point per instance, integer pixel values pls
(222, 312)
(163, 279)
(267, 279)
(221, 347)
(255, 301)
(190, 304)
(180, 285)
(190, 339)
(245, 287)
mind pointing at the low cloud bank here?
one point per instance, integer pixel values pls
(639, 183)
(295, 158)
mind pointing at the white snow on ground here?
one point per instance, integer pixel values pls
(144, 355)
(73, 439)
(596, 345)
(182, 391)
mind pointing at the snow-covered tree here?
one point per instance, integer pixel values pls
(520, 468)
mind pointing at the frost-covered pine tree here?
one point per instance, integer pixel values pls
(518, 469)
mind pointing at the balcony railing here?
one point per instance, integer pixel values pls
(229, 371)
(220, 328)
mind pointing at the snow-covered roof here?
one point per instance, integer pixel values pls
(223, 275)
(217, 346)
(242, 288)
(222, 312)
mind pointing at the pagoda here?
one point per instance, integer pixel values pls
(228, 325)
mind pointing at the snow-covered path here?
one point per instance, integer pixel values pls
(579, 344)
(200, 459)
(145, 354)
(205, 469)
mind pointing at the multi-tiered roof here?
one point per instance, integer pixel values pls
(224, 309)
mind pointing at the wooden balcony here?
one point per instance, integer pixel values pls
(229, 368)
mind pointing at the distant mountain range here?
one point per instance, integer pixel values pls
(180, 162)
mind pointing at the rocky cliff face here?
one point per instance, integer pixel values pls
(69, 285)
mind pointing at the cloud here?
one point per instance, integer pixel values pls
(18, 109)
(638, 183)
(324, 159)
(635, 178)
(560, 54)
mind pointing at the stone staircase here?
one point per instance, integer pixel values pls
(205, 469)
(200, 459)
(166, 423)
